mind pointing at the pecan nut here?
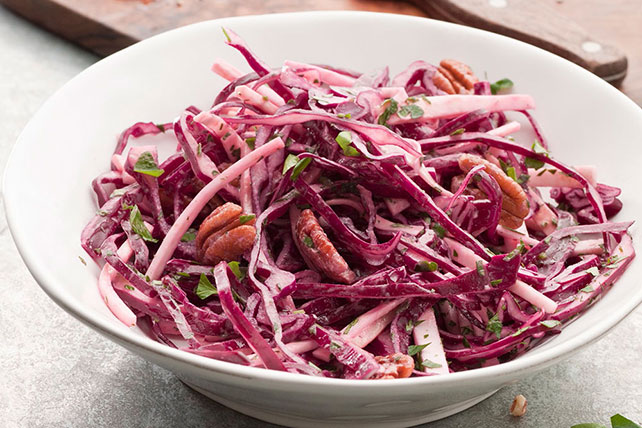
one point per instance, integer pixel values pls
(318, 250)
(454, 77)
(395, 366)
(514, 201)
(222, 236)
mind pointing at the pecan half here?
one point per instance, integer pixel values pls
(394, 366)
(317, 249)
(514, 201)
(221, 236)
(454, 77)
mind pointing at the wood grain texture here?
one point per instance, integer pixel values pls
(536, 23)
(105, 26)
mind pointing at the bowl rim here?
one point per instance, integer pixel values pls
(526, 362)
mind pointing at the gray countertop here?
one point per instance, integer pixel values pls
(57, 372)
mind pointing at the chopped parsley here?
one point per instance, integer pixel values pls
(495, 326)
(415, 349)
(138, 226)
(344, 139)
(250, 142)
(308, 242)
(299, 167)
(550, 323)
(426, 266)
(430, 364)
(500, 85)
(204, 289)
(246, 218)
(236, 269)
(412, 110)
(439, 230)
(349, 326)
(189, 236)
(392, 107)
(290, 162)
(458, 131)
(147, 165)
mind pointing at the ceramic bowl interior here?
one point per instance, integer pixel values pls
(70, 140)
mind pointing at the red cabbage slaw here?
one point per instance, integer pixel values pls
(376, 160)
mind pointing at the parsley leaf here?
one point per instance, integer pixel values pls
(247, 217)
(619, 421)
(392, 108)
(344, 139)
(415, 349)
(550, 323)
(290, 162)
(189, 236)
(147, 165)
(205, 289)
(299, 167)
(234, 267)
(495, 326)
(501, 85)
(426, 266)
(412, 110)
(250, 142)
(458, 131)
(349, 326)
(308, 242)
(587, 289)
(439, 230)
(430, 364)
(138, 226)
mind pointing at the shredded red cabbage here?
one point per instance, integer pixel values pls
(358, 177)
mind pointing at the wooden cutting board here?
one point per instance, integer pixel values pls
(105, 26)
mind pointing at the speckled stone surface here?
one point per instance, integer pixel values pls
(55, 372)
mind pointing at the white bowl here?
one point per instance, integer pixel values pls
(69, 141)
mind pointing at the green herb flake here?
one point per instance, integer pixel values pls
(160, 127)
(533, 163)
(299, 167)
(335, 346)
(593, 271)
(495, 326)
(250, 142)
(415, 349)
(344, 139)
(481, 271)
(465, 342)
(117, 192)
(347, 328)
(439, 230)
(138, 226)
(246, 218)
(412, 110)
(147, 165)
(204, 289)
(189, 236)
(619, 421)
(411, 324)
(496, 282)
(501, 85)
(426, 266)
(308, 242)
(550, 323)
(236, 153)
(199, 149)
(236, 269)
(458, 131)
(430, 364)
(290, 162)
(82, 261)
(587, 289)
(129, 287)
(392, 107)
